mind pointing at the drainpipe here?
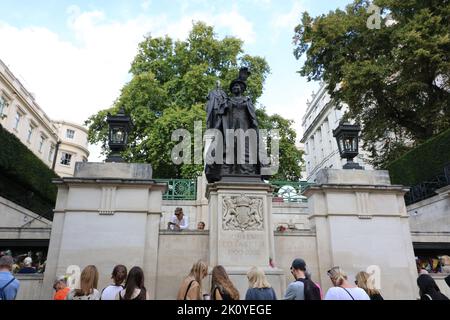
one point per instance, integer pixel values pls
(56, 154)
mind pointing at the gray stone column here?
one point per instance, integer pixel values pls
(360, 220)
(107, 214)
(241, 231)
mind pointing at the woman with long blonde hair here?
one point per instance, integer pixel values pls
(191, 287)
(259, 287)
(221, 286)
(88, 286)
(363, 282)
(343, 289)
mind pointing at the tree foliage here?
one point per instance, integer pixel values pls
(168, 89)
(395, 79)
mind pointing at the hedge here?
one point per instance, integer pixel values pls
(25, 179)
(422, 163)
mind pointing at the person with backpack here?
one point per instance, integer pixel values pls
(303, 288)
(9, 286)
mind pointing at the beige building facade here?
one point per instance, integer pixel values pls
(321, 150)
(59, 144)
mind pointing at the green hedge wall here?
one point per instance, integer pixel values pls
(423, 162)
(21, 171)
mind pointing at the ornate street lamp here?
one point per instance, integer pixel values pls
(119, 127)
(347, 137)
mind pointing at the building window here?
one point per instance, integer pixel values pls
(66, 158)
(30, 133)
(70, 134)
(17, 121)
(3, 105)
(51, 152)
(41, 143)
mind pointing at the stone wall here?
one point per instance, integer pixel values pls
(17, 222)
(178, 251)
(31, 286)
(432, 214)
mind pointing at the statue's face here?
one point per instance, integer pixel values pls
(236, 89)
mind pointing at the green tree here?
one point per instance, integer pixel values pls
(170, 81)
(395, 79)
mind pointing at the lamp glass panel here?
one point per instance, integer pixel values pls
(348, 143)
(117, 135)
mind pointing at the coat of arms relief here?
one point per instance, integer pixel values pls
(242, 213)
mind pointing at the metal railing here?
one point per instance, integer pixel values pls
(180, 189)
(186, 189)
(427, 189)
(289, 191)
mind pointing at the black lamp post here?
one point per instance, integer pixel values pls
(119, 127)
(347, 137)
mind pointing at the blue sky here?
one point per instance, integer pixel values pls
(75, 55)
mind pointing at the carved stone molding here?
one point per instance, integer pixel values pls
(107, 205)
(242, 213)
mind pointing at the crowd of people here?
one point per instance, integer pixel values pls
(129, 285)
(29, 262)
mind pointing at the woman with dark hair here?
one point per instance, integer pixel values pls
(118, 276)
(134, 286)
(428, 288)
(221, 286)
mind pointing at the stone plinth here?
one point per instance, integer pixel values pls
(241, 231)
(360, 220)
(107, 214)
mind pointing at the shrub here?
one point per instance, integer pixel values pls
(24, 178)
(423, 162)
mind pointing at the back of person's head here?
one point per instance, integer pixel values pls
(60, 283)
(364, 282)
(6, 262)
(119, 274)
(257, 278)
(199, 270)
(88, 281)
(299, 264)
(337, 276)
(219, 278)
(27, 262)
(135, 280)
(427, 285)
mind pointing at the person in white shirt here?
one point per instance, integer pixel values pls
(178, 221)
(119, 275)
(343, 289)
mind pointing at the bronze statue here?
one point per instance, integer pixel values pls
(226, 114)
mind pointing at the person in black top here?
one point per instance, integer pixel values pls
(363, 281)
(221, 286)
(134, 287)
(428, 288)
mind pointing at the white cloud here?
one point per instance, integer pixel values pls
(290, 19)
(145, 5)
(238, 25)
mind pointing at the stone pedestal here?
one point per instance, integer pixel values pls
(360, 220)
(107, 214)
(241, 232)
